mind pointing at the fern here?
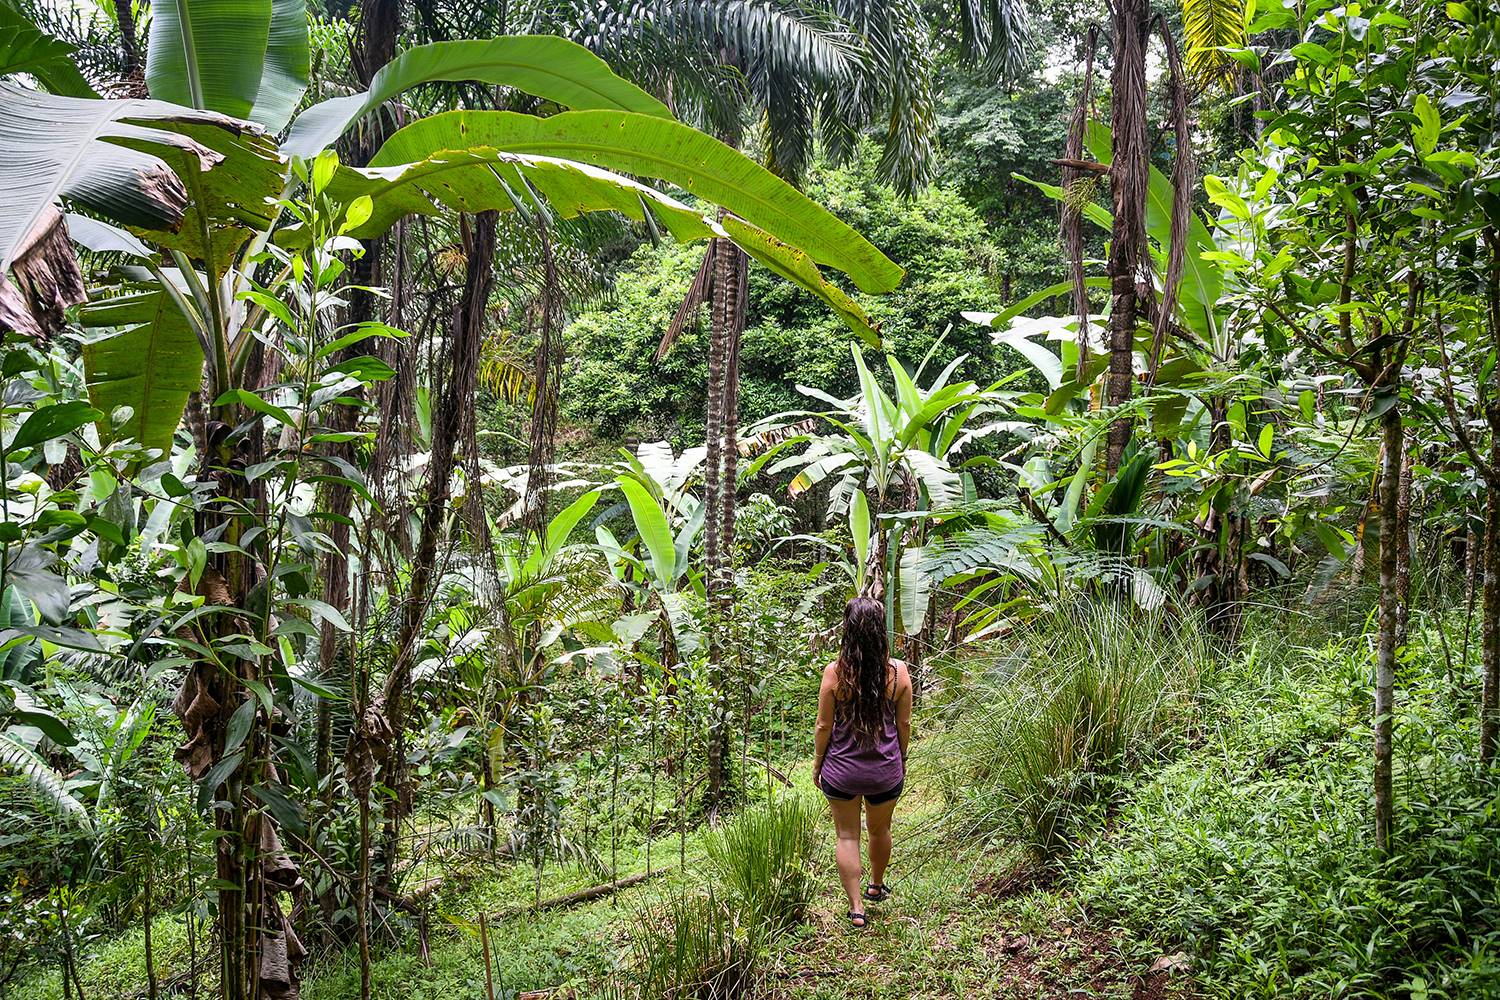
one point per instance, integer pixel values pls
(46, 784)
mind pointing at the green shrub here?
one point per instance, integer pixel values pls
(1086, 694)
(762, 857)
(694, 947)
(1255, 853)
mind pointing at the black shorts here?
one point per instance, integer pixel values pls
(874, 799)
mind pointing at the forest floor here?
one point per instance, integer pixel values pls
(1246, 847)
(954, 927)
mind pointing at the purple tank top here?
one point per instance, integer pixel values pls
(866, 770)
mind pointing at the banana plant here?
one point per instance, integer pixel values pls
(194, 177)
(660, 560)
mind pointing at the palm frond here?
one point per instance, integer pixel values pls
(995, 34)
(1208, 28)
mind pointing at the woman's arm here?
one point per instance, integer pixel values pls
(903, 709)
(823, 731)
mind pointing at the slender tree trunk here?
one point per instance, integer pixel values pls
(148, 893)
(1473, 559)
(1489, 710)
(129, 43)
(1390, 616)
(448, 413)
(725, 286)
(1402, 540)
(1129, 174)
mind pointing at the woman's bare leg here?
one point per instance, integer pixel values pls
(846, 824)
(878, 822)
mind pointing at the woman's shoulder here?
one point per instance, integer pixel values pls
(903, 674)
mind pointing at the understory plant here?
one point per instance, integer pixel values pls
(694, 946)
(763, 857)
(1085, 694)
(1254, 854)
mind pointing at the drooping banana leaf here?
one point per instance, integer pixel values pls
(544, 66)
(25, 48)
(664, 150)
(244, 58)
(474, 180)
(105, 155)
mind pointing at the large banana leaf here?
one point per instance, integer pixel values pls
(664, 150)
(544, 66)
(244, 58)
(151, 365)
(25, 48)
(474, 180)
(656, 534)
(106, 155)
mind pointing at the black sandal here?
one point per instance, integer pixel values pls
(863, 920)
(881, 892)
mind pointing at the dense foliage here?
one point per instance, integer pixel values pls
(437, 443)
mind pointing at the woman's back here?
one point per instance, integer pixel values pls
(865, 766)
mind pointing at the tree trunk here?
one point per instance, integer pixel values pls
(129, 43)
(1489, 626)
(1403, 540)
(383, 736)
(730, 270)
(1129, 174)
(1390, 616)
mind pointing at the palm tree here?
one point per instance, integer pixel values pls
(1210, 28)
(823, 69)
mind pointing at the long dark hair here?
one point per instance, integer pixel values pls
(864, 655)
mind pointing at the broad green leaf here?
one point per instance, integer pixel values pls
(477, 179)
(251, 401)
(55, 148)
(796, 267)
(101, 237)
(561, 526)
(288, 63)
(1429, 125)
(651, 525)
(665, 150)
(52, 421)
(25, 48)
(1313, 52)
(544, 66)
(1001, 320)
(1040, 355)
(152, 365)
(1219, 194)
(915, 592)
(244, 58)
(239, 725)
(859, 527)
(1091, 210)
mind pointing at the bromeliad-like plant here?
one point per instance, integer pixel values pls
(892, 459)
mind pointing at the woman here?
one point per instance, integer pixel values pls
(859, 747)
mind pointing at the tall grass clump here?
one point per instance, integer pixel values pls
(1083, 695)
(692, 947)
(762, 857)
